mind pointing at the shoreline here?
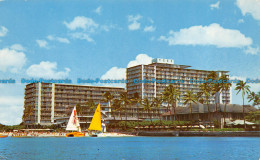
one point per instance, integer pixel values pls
(60, 134)
(149, 133)
(199, 133)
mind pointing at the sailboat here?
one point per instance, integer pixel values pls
(73, 125)
(98, 128)
(3, 136)
(95, 125)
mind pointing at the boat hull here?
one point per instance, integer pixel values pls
(94, 135)
(75, 134)
(3, 136)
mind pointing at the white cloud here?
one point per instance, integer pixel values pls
(98, 10)
(109, 27)
(3, 31)
(11, 60)
(149, 29)
(241, 21)
(250, 7)
(150, 20)
(133, 20)
(11, 110)
(134, 26)
(213, 34)
(215, 6)
(120, 73)
(251, 50)
(81, 22)
(59, 39)
(42, 43)
(83, 36)
(17, 47)
(115, 73)
(47, 69)
(140, 59)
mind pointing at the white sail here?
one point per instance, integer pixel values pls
(73, 124)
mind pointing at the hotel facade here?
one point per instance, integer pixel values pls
(154, 78)
(53, 103)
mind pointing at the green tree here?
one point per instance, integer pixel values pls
(225, 86)
(116, 107)
(91, 105)
(125, 101)
(79, 109)
(189, 97)
(136, 100)
(214, 87)
(205, 90)
(245, 89)
(255, 98)
(253, 117)
(157, 103)
(172, 95)
(147, 106)
(108, 97)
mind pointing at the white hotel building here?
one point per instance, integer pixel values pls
(165, 69)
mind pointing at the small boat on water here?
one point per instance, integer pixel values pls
(3, 136)
(73, 125)
(95, 125)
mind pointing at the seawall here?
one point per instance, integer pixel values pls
(199, 134)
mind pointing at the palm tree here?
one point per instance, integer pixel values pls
(125, 101)
(166, 98)
(91, 105)
(244, 88)
(225, 86)
(189, 97)
(79, 109)
(116, 107)
(108, 97)
(255, 97)
(147, 106)
(157, 102)
(136, 100)
(214, 87)
(206, 91)
(172, 95)
(252, 96)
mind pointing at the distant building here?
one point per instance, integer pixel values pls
(52, 102)
(140, 79)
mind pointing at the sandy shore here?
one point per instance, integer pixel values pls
(59, 134)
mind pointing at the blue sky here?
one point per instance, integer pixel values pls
(83, 39)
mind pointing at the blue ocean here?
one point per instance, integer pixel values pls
(131, 148)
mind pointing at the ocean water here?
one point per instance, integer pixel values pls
(131, 148)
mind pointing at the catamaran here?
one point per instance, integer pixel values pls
(73, 125)
(3, 136)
